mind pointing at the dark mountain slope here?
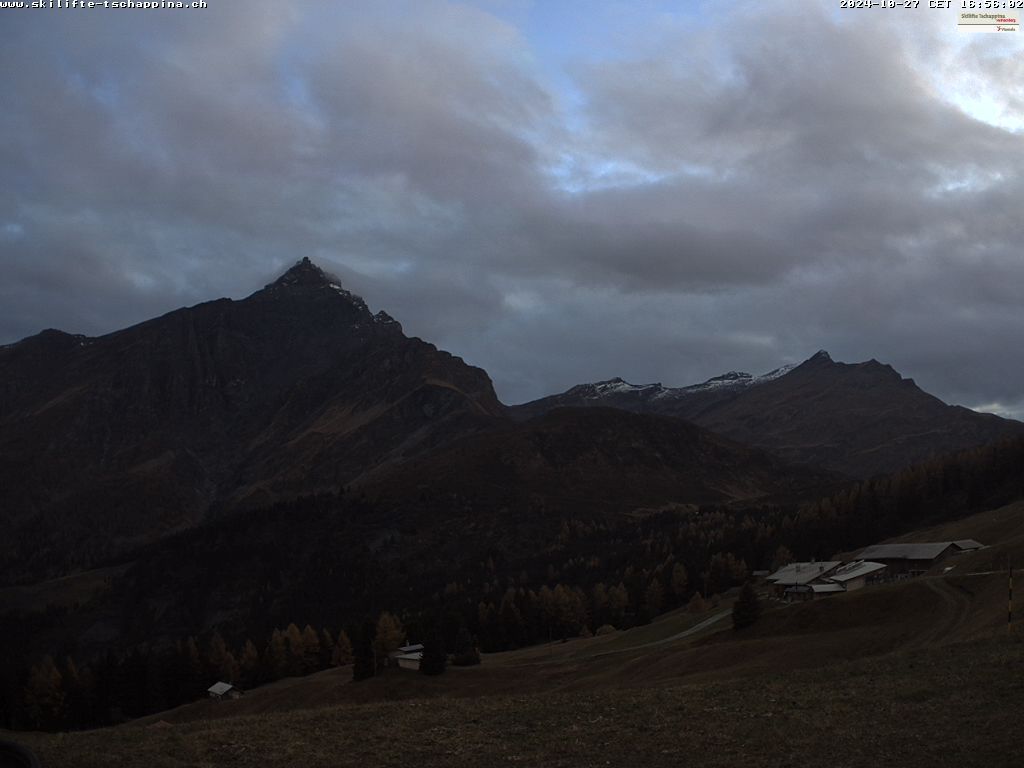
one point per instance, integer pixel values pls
(860, 419)
(111, 441)
(398, 540)
(597, 460)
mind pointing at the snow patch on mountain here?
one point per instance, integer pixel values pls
(731, 380)
(738, 379)
(618, 386)
(613, 387)
(778, 373)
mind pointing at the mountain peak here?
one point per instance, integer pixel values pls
(821, 356)
(305, 277)
(304, 272)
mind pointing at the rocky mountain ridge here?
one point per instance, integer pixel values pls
(859, 419)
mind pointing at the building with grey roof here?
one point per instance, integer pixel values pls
(220, 691)
(408, 656)
(802, 573)
(909, 558)
(968, 545)
(807, 581)
(811, 591)
(857, 574)
(409, 660)
(799, 574)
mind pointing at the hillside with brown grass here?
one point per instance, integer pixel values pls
(951, 705)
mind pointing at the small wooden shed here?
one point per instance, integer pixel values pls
(408, 656)
(222, 691)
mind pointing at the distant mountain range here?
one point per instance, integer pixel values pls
(858, 419)
(109, 443)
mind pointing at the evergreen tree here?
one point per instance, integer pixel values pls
(654, 597)
(296, 651)
(679, 581)
(342, 655)
(76, 706)
(747, 608)
(249, 665)
(465, 652)
(9, 690)
(511, 621)
(487, 621)
(107, 707)
(154, 698)
(90, 716)
(434, 659)
(365, 663)
(390, 636)
(618, 604)
(44, 695)
(193, 682)
(132, 683)
(327, 650)
(220, 662)
(564, 612)
(310, 650)
(697, 604)
(599, 603)
(724, 571)
(275, 656)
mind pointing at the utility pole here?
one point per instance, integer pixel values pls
(1009, 602)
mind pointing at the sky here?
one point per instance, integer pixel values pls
(557, 191)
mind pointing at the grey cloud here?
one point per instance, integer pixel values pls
(728, 196)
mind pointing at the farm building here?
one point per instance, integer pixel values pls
(814, 580)
(222, 691)
(857, 574)
(811, 591)
(910, 558)
(408, 656)
(409, 660)
(800, 574)
(968, 545)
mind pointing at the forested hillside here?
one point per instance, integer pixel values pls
(224, 597)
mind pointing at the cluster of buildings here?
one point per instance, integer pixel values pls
(881, 562)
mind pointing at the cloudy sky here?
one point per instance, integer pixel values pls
(558, 191)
